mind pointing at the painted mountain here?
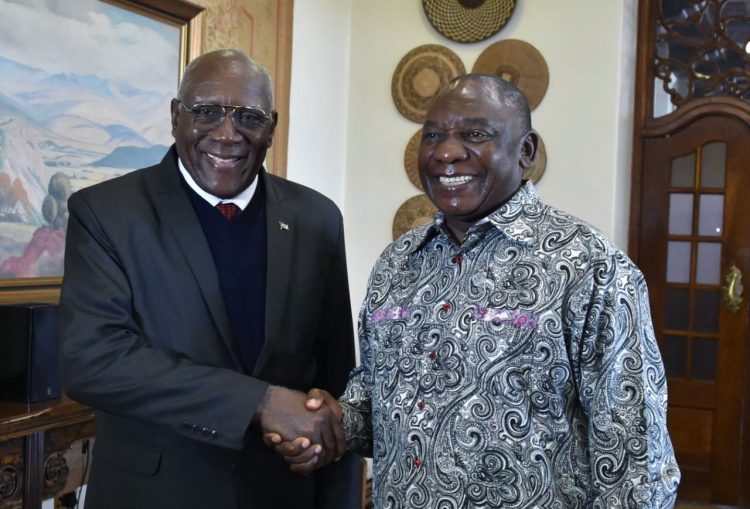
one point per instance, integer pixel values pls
(59, 133)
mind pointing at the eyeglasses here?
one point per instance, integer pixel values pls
(211, 116)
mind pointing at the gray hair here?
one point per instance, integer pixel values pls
(227, 55)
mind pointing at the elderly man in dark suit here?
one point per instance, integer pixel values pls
(201, 295)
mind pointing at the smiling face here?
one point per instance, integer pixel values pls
(475, 146)
(222, 160)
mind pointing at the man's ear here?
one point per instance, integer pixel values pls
(174, 108)
(272, 129)
(529, 145)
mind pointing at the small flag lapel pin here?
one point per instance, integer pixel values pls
(283, 226)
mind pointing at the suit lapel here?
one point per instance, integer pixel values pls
(280, 237)
(173, 205)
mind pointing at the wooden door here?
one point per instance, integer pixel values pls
(694, 227)
(689, 226)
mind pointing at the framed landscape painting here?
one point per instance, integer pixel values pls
(85, 88)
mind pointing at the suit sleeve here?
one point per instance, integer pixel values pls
(337, 485)
(108, 363)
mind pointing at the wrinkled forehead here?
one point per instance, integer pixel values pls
(468, 101)
(233, 83)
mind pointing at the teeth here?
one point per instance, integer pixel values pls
(455, 181)
(222, 159)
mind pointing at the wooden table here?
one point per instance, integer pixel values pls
(45, 449)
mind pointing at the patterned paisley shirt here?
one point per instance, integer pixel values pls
(516, 370)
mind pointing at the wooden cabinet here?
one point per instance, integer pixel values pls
(45, 451)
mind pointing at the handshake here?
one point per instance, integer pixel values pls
(305, 429)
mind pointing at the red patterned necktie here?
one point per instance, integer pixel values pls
(228, 209)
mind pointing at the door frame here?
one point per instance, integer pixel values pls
(646, 127)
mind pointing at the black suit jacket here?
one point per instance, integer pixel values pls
(146, 341)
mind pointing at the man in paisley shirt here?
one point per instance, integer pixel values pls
(507, 353)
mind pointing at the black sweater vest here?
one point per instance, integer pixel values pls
(239, 251)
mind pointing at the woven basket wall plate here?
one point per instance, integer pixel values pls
(468, 20)
(419, 76)
(414, 212)
(519, 63)
(536, 172)
(411, 154)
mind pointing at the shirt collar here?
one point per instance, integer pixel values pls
(241, 200)
(518, 217)
(513, 218)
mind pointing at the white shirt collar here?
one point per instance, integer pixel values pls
(241, 200)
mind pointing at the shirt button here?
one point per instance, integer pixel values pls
(446, 306)
(420, 405)
(458, 259)
(215, 434)
(433, 355)
(417, 463)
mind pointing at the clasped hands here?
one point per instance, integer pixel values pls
(305, 429)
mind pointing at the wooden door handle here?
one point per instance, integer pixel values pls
(733, 290)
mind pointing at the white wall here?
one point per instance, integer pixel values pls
(585, 118)
(318, 97)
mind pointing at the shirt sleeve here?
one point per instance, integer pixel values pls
(623, 390)
(356, 401)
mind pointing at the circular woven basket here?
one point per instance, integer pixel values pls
(518, 62)
(419, 76)
(468, 20)
(414, 212)
(411, 154)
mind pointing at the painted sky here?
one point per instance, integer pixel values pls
(90, 37)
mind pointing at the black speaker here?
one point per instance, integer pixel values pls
(29, 369)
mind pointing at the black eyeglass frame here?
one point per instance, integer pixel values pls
(224, 109)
